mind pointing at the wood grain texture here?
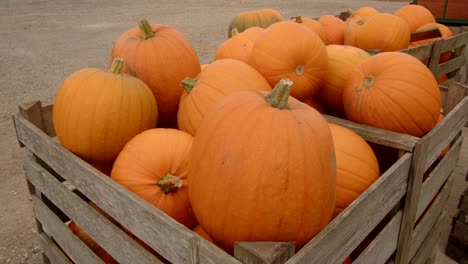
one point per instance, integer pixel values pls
(426, 250)
(340, 237)
(447, 67)
(425, 34)
(455, 93)
(53, 253)
(263, 252)
(419, 52)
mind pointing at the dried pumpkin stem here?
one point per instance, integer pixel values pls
(188, 84)
(170, 183)
(234, 32)
(117, 66)
(297, 19)
(146, 30)
(279, 96)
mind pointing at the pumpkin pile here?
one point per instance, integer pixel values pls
(244, 135)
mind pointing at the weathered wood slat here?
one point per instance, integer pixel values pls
(54, 227)
(53, 253)
(438, 176)
(427, 248)
(47, 117)
(453, 42)
(425, 34)
(145, 221)
(449, 66)
(118, 244)
(455, 93)
(420, 52)
(263, 252)
(377, 135)
(384, 245)
(334, 243)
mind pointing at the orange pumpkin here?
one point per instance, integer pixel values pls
(394, 91)
(255, 160)
(445, 32)
(314, 103)
(348, 260)
(415, 16)
(160, 56)
(384, 32)
(96, 112)
(222, 78)
(289, 50)
(441, 79)
(366, 11)
(153, 165)
(104, 168)
(199, 230)
(356, 166)
(341, 62)
(239, 46)
(334, 29)
(313, 25)
(254, 18)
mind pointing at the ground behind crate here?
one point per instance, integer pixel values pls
(44, 41)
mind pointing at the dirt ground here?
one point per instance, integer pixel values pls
(44, 41)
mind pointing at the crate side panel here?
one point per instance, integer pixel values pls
(53, 253)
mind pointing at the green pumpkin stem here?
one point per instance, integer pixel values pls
(297, 19)
(279, 96)
(188, 84)
(170, 183)
(234, 32)
(146, 30)
(117, 66)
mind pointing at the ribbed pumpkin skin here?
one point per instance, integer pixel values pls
(221, 78)
(283, 47)
(415, 16)
(341, 62)
(96, 113)
(445, 32)
(314, 103)
(268, 174)
(146, 159)
(334, 28)
(162, 62)
(255, 18)
(356, 166)
(394, 91)
(385, 32)
(313, 25)
(366, 11)
(239, 46)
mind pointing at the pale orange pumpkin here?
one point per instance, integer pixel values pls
(255, 160)
(334, 29)
(153, 165)
(289, 50)
(238, 46)
(313, 25)
(394, 91)
(161, 57)
(253, 18)
(222, 78)
(366, 11)
(97, 112)
(314, 103)
(415, 16)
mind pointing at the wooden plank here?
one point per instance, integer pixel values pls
(455, 93)
(430, 218)
(463, 203)
(340, 237)
(115, 241)
(145, 221)
(427, 248)
(460, 231)
(53, 253)
(384, 245)
(453, 42)
(377, 135)
(54, 227)
(47, 115)
(438, 176)
(425, 34)
(419, 52)
(263, 252)
(449, 66)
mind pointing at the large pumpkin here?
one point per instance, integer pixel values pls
(313, 25)
(239, 46)
(290, 50)
(154, 165)
(356, 166)
(341, 62)
(415, 16)
(221, 78)
(254, 18)
(394, 91)
(162, 57)
(97, 112)
(334, 28)
(262, 169)
(366, 11)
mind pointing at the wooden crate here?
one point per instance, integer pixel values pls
(62, 185)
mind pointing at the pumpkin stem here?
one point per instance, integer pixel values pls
(116, 66)
(170, 183)
(369, 81)
(279, 96)
(234, 32)
(188, 84)
(146, 30)
(297, 19)
(300, 70)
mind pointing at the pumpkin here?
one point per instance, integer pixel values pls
(348, 260)
(356, 166)
(222, 78)
(314, 103)
(445, 32)
(239, 46)
(415, 16)
(384, 32)
(254, 18)
(203, 66)
(153, 165)
(104, 168)
(366, 11)
(265, 164)
(97, 112)
(394, 91)
(199, 230)
(289, 50)
(160, 56)
(313, 25)
(441, 79)
(341, 62)
(334, 29)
